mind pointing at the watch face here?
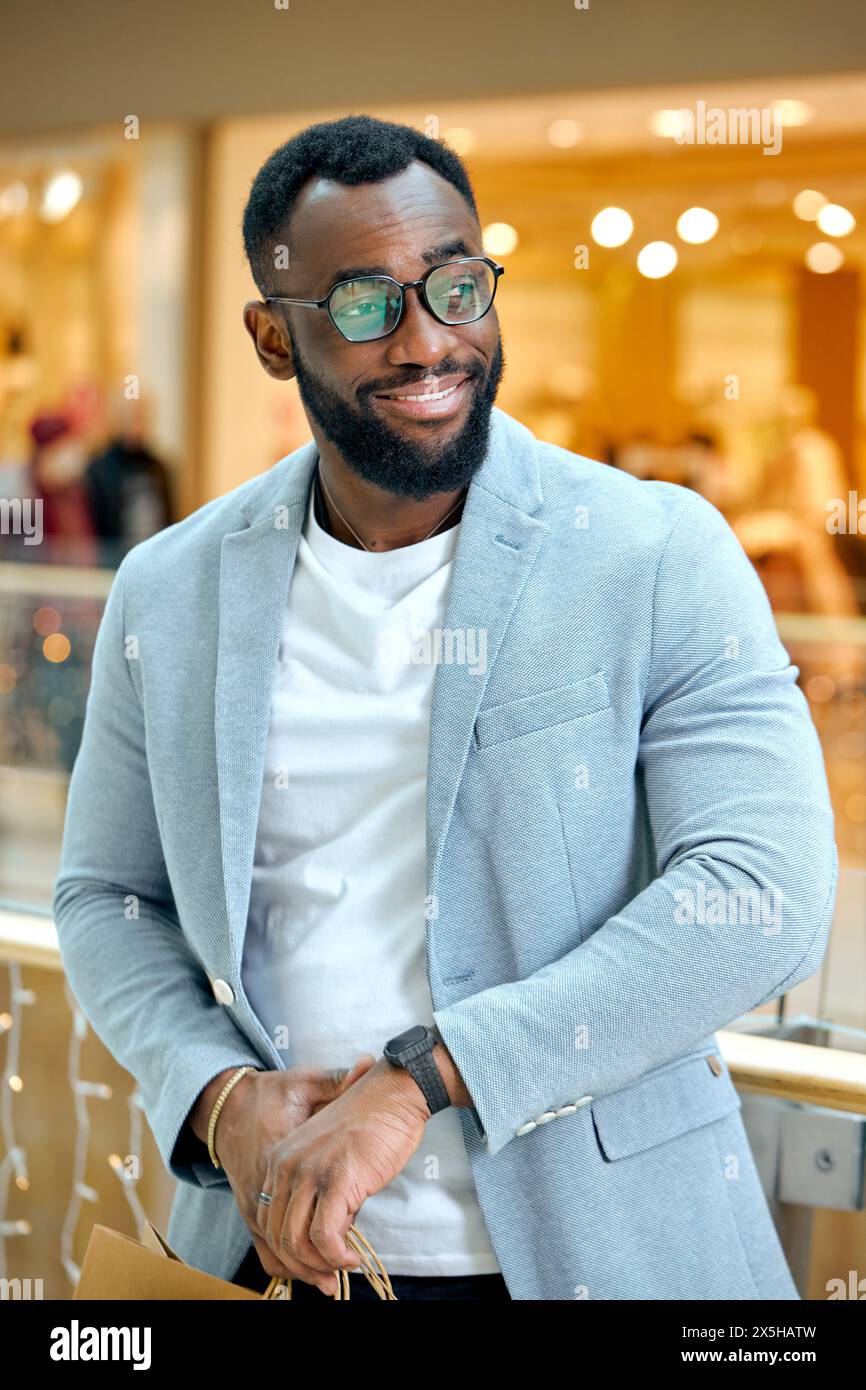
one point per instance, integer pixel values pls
(398, 1046)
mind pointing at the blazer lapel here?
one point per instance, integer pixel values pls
(256, 566)
(496, 549)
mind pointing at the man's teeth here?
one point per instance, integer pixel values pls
(429, 395)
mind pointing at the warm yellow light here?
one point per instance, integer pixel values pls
(792, 113)
(563, 133)
(13, 199)
(56, 647)
(46, 621)
(461, 139)
(697, 225)
(746, 240)
(823, 258)
(60, 196)
(499, 238)
(656, 259)
(612, 227)
(15, 1083)
(834, 220)
(5, 1020)
(808, 203)
(669, 123)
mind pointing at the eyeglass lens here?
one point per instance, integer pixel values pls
(369, 307)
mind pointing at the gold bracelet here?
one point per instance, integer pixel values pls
(217, 1107)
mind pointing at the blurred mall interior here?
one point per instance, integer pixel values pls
(687, 311)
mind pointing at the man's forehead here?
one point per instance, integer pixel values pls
(412, 210)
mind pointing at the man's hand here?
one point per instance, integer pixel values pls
(319, 1175)
(261, 1110)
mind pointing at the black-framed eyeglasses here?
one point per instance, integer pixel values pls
(371, 306)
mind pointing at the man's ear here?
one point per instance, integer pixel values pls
(270, 338)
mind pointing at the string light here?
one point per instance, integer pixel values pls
(14, 1163)
(15, 1158)
(82, 1091)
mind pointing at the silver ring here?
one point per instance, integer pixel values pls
(265, 1199)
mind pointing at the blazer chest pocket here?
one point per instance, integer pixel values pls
(663, 1106)
(529, 713)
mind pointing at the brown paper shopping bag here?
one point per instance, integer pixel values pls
(118, 1267)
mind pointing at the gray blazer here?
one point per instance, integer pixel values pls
(629, 844)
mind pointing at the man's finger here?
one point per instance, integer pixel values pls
(291, 1268)
(331, 1220)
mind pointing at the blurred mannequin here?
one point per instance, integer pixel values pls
(127, 484)
(804, 467)
(55, 475)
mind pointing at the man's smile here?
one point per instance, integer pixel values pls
(433, 399)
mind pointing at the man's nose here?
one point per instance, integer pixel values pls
(419, 337)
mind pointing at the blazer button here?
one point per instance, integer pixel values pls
(223, 992)
(715, 1065)
(524, 1129)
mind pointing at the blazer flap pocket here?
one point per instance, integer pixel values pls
(543, 710)
(660, 1107)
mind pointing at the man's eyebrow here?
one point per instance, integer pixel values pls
(447, 249)
(457, 247)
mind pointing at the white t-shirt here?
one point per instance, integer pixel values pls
(334, 958)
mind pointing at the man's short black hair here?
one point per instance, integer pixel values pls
(353, 150)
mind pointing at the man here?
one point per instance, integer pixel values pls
(434, 724)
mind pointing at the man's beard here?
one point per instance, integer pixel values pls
(380, 455)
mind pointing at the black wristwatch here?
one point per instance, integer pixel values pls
(413, 1050)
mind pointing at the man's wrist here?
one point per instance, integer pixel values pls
(199, 1117)
(407, 1088)
(451, 1078)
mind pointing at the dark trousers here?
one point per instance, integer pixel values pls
(472, 1287)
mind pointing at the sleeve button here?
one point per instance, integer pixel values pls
(223, 992)
(524, 1129)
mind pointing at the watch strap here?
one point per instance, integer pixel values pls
(417, 1059)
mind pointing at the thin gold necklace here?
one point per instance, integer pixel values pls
(355, 533)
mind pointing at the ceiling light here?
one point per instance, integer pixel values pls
(611, 227)
(656, 259)
(13, 199)
(60, 195)
(697, 225)
(808, 203)
(834, 220)
(824, 258)
(669, 123)
(499, 239)
(563, 134)
(793, 113)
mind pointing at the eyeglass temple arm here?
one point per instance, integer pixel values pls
(307, 303)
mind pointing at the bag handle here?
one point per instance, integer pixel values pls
(280, 1287)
